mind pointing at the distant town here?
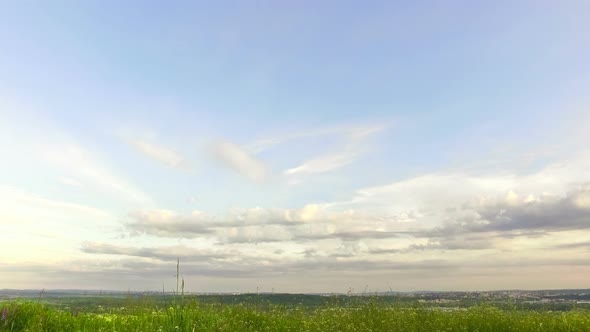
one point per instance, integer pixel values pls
(567, 297)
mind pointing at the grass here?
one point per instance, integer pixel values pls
(279, 312)
(364, 316)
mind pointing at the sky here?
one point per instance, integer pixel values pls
(295, 146)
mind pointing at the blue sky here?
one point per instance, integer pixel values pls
(352, 142)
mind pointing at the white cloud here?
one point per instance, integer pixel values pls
(352, 150)
(167, 223)
(583, 200)
(441, 190)
(263, 145)
(428, 192)
(309, 223)
(242, 159)
(325, 163)
(384, 229)
(238, 159)
(159, 153)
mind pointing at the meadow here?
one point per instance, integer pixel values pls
(257, 314)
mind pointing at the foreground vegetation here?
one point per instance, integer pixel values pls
(192, 315)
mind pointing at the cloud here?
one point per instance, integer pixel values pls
(300, 234)
(393, 227)
(470, 212)
(452, 243)
(240, 160)
(273, 216)
(526, 213)
(575, 245)
(51, 150)
(165, 253)
(31, 200)
(159, 153)
(546, 212)
(352, 150)
(350, 133)
(255, 234)
(233, 264)
(430, 213)
(81, 162)
(348, 235)
(312, 222)
(325, 163)
(166, 223)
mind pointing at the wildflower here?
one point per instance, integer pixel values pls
(4, 314)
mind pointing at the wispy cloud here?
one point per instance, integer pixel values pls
(352, 149)
(240, 160)
(159, 153)
(33, 201)
(324, 163)
(53, 149)
(69, 181)
(81, 162)
(348, 132)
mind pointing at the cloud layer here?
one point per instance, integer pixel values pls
(447, 225)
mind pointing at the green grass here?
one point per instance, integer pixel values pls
(364, 316)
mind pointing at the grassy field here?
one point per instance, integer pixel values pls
(192, 315)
